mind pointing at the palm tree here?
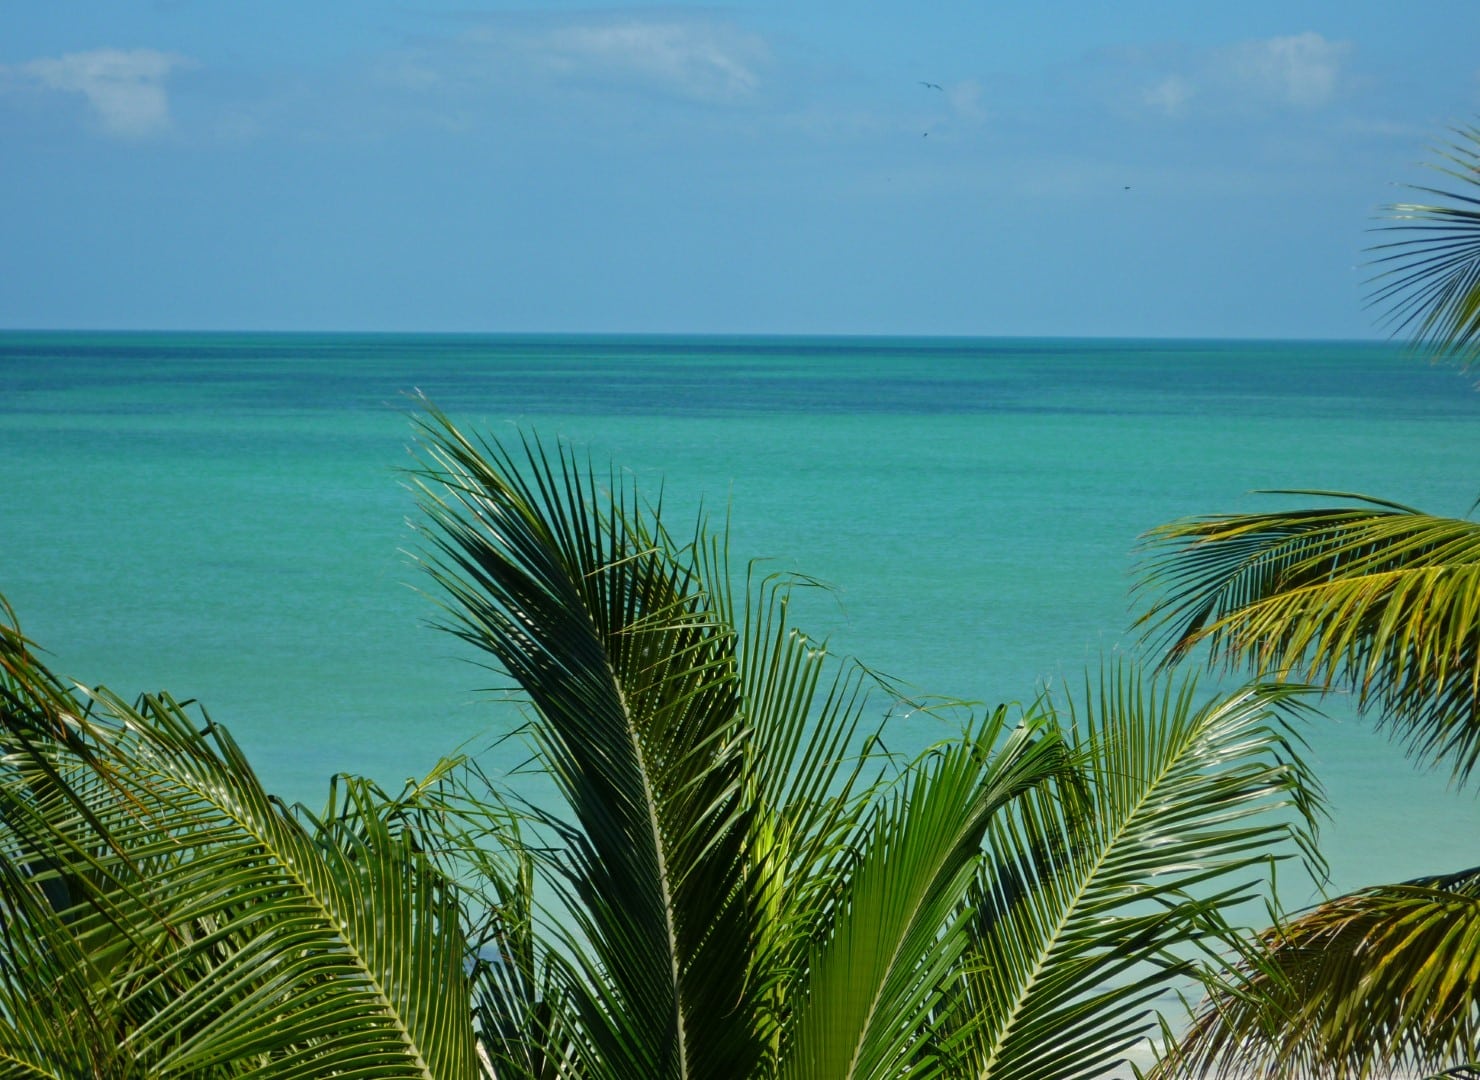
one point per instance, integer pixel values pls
(737, 879)
(1381, 601)
(741, 867)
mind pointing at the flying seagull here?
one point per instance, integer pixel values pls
(931, 85)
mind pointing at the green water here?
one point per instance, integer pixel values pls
(224, 516)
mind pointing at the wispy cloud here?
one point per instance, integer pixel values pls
(706, 62)
(1170, 95)
(965, 98)
(1301, 72)
(125, 88)
(683, 57)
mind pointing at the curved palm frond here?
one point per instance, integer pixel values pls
(1378, 982)
(604, 623)
(1430, 281)
(1379, 600)
(178, 922)
(1091, 902)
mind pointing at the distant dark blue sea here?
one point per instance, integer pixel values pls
(226, 515)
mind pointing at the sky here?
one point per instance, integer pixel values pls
(1137, 169)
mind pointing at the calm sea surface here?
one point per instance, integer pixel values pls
(224, 516)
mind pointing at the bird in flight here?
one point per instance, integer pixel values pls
(931, 85)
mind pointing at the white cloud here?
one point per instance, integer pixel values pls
(1298, 71)
(684, 57)
(696, 60)
(1170, 96)
(124, 87)
(1303, 70)
(965, 97)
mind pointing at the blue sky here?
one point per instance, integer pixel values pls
(1129, 169)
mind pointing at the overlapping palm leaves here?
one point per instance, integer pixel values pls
(720, 783)
(1081, 920)
(164, 917)
(1375, 983)
(1382, 601)
(738, 880)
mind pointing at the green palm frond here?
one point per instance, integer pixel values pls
(519, 1001)
(897, 933)
(1375, 599)
(27, 688)
(1430, 279)
(604, 623)
(181, 923)
(1092, 900)
(815, 776)
(1378, 982)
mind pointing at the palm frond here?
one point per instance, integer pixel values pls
(1429, 281)
(1092, 900)
(1376, 600)
(205, 930)
(896, 933)
(604, 623)
(1378, 982)
(815, 775)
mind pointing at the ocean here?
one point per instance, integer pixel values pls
(226, 515)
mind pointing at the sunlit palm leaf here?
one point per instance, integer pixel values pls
(208, 932)
(1093, 899)
(897, 932)
(603, 623)
(1376, 599)
(1379, 982)
(1430, 281)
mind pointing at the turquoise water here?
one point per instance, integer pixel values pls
(223, 515)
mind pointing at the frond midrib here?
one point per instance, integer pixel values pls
(1086, 881)
(330, 919)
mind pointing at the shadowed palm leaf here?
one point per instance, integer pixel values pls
(633, 679)
(1377, 599)
(1430, 281)
(1379, 980)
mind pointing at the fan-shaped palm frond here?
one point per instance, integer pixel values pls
(1377, 599)
(1378, 982)
(173, 920)
(1092, 902)
(1430, 279)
